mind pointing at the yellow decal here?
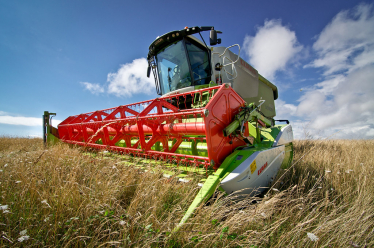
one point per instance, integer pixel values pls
(253, 166)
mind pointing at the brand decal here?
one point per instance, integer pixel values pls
(248, 67)
(262, 168)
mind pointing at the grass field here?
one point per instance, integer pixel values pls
(60, 196)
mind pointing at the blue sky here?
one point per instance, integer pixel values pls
(72, 57)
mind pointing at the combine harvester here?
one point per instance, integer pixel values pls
(215, 118)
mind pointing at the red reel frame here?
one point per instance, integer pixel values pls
(158, 120)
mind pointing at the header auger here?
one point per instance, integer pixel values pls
(215, 117)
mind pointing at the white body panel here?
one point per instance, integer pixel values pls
(285, 136)
(267, 164)
(182, 90)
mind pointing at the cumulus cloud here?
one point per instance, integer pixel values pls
(131, 79)
(311, 103)
(93, 88)
(348, 110)
(343, 102)
(6, 118)
(284, 110)
(352, 102)
(347, 43)
(272, 48)
(328, 86)
(305, 130)
(19, 120)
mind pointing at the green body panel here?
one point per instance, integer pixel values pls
(252, 130)
(202, 100)
(289, 156)
(267, 137)
(186, 147)
(208, 188)
(269, 84)
(231, 128)
(203, 86)
(249, 114)
(51, 139)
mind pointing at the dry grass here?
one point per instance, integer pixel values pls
(65, 198)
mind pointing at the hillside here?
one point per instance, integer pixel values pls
(61, 196)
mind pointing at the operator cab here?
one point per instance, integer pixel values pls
(182, 64)
(179, 61)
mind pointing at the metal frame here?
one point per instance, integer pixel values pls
(157, 122)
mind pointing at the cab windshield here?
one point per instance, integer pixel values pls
(182, 64)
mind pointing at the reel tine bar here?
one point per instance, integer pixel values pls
(162, 128)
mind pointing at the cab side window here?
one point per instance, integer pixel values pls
(200, 64)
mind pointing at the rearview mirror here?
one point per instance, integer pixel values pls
(213, 37)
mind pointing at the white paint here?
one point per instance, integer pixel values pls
(285, 136)
(254, 182)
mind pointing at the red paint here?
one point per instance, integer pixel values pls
(159, 121)
(248, 67)
(262, 168)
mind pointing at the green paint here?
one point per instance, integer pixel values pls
(252, 130)
(202, 99)
(265, 138)
(198, 148)
(250, 115)
(51, 139)
(212, 182)
(203, 86)
(288, 156)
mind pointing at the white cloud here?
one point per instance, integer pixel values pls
(19, 120)
(348, 110)
(303, 130)
(22, 120)
(343, 102)
(347, 43)
(284, 110)
(311, 103)
(329, 85)
(93, 88)
(272, 48)
(130, 79)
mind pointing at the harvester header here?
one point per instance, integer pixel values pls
(159, 130)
